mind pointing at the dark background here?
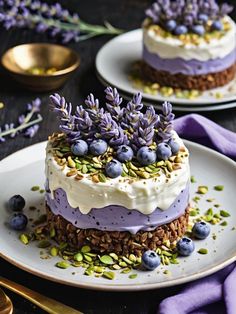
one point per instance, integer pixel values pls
(125, 14)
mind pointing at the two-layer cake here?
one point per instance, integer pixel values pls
(117, 179)
(189, 44)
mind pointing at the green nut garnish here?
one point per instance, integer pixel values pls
(202, 251)
(219, 187)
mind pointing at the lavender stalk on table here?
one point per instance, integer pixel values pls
(52, 19)
(26, 124)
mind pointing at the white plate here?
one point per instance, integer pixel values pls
(24, 169)
(115, 58)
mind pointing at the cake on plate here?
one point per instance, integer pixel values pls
(117, 178)
(189, 44)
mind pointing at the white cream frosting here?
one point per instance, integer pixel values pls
(171, 48)
(144, 195)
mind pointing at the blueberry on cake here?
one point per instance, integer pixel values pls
(117, 176)
(189, 44)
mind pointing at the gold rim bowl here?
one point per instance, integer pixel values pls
(20, 60)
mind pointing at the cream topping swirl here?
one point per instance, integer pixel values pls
(170, 48)
(144, 195)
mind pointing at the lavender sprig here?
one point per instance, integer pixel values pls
(165, 124)
(186, 12)
(93, 109)
(25, 122)
(111, 131)
(114, 102)
(132, 113)
(144, 129)
(84, 124)
(53, 19)
(67, 120)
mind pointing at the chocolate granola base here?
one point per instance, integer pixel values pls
(182, 81)
(119, 242)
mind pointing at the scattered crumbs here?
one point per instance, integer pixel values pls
(32, 208)
(219, 95)
(196, 199)
(192, 179)
(202, 189)
(133, 276)
(217, 205)
(224, 223)
(41, 191)
(1, 105)
(167, 272)
(219, 187)
(202, 251)
(73, 273)
(214, 236)
(35, 188)
(234, 228)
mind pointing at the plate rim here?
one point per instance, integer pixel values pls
(185, 102)
(122, 287)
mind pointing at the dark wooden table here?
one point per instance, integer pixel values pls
(126, 14)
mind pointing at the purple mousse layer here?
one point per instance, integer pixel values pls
(188, 67)
(115, 217)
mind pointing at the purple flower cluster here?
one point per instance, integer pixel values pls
(117, 125)
(53, 19)
(26, 124)
(182, 16)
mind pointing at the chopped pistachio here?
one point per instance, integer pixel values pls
(62, 264)
(133, 276)
(202, 189)
(109, 275)
(54, 251)
(224, 213)
(43, 244)
(85, 249)
(219, 187)
(202, 251)
(192, 179)
(106, 259)
(224, 223)
(35, 188)
(24, 238)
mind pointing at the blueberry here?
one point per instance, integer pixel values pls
(113, 168)
(163, 151)
(146, 156)
(150, 260)
(185, 246)
(16, 203)
(217, 26)
(124, 153)
(174, 146)
(80, 148)
(170, 25)
(203, 17)
(180, 30)
(198, 29)
(201, 230)
(98, 147)
(18, 221)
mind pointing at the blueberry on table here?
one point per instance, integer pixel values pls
(150, 260)
(113, 168)
(201, 230)
(185, 246)
(163, 151)
(98, 147)
(80, 148)
(146, 156)
(16, 203)
(124, 153)
(18, 221)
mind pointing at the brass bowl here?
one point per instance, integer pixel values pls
(20, 61)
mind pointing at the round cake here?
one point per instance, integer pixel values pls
(117, 179)
(189, 44)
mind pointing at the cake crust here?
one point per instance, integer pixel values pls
(198, 82)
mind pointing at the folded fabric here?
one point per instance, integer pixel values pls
(204, 131)
(215, 294)
(205, 296)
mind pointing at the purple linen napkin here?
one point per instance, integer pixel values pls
(202, 130)
(215, 294)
